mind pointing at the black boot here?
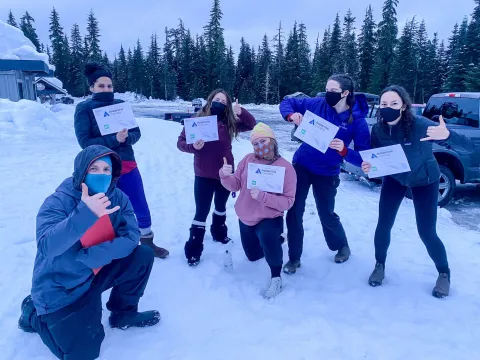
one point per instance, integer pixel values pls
(194, 245)
(28, 310)
(219, 229)
(134, 319)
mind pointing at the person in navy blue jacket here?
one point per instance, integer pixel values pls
(343, 108)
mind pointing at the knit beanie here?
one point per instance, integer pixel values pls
(261, 130)
(94, 71)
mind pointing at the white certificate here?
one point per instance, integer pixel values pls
(201, 128)
(388, 160)
(266, 178)
(316, 132)
(114, 118)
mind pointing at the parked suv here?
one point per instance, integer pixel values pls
(461, 113)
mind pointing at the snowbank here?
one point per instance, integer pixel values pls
(15, 46)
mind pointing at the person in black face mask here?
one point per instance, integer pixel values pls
(416, 134)
(208, 160)
(99, 79)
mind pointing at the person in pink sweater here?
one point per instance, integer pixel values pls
(261, 213)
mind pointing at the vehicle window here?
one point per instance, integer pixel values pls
(461, 111)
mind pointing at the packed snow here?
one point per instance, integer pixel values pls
(15, 46)
(326, 311)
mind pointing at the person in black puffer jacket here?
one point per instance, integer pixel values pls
(416, 134)
(86, 129)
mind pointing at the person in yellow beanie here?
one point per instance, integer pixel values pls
(261, 212)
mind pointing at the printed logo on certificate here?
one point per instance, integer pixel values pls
(201, 128)
(114, 118)
(316, 131)
(266, 178)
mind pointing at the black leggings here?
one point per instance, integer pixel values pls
(425, 201)
(205, 189)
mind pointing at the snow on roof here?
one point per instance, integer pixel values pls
(15, 46)
(52, 80)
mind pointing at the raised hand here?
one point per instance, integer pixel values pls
(439, 132)
(122, 136)
(199, 144)
(97, 203)
(296, 118)
(237, 109)
(227, 170)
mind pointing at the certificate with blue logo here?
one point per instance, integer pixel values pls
(201, 128)
(316, 131)
(267, 178)
(114, 118)
(387, 160)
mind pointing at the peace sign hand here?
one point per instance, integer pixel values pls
(97, 203)
(439, 132)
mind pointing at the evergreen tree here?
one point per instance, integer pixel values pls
(77, 81)
(11, 20)
(86, 49)
(425, 61)
(405, 64)
(130, 71)
(60, 49)
(473, 36)
(322, 64)
(304, 55)
(263, 78)
(106, 60)
(443, 65)
(367, 45)
(93, 38)
(216, 49)
(387, 39)
(436, 70)
(169, 74)
(459, 66)
(349, 55)
(452, 44)
(244, 79)
(230, 71)
(121, 82)
(49, 54)
(26, 25)
(137, 69)
(293, 80)
(154, 70)
(278, 64)
(200, 81)
(335, 48)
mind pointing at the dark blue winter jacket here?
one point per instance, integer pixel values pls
(63, 269)
(88, 133)
(328, 164)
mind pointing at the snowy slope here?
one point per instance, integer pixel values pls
(327, 311)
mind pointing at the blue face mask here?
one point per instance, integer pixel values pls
(98, 183)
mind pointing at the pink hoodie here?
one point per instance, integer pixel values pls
(267, 205)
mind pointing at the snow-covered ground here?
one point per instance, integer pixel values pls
(327, 311)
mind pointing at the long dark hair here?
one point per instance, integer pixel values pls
(230, 118)
(346, 83)
(407, 119)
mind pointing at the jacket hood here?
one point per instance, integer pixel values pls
(73, 186)
(360, 109)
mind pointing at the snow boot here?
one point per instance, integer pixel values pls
(377, 276)
(274, 288)
(123, 321)
(218, 229)
(442, 288)
(343, 254)
(159, 252)
(194, 245)
(28, 311)
(291, 267)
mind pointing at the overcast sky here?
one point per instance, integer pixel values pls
(123, 21)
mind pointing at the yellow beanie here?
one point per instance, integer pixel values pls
(261, 130)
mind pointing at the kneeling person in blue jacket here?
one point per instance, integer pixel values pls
(87, 242)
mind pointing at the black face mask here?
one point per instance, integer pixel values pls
(217, 108)
(333, 98)
(103, 96)
(389, 115)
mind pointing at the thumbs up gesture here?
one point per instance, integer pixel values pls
(237, 109)
(439, 132)
(227, 170)
(97, 203)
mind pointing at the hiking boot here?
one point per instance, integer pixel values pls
(135, 319)
(291, 267)
(28, 311)
(274, 288)
(442, 288)
(219, 229)
(194, 245)
(343, 254)
(159, 252)
(377, 276)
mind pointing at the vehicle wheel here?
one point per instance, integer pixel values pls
(446, 189)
